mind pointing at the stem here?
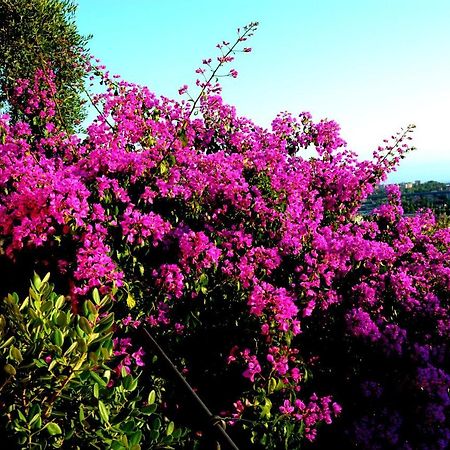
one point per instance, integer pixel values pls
(97, 108)
(250, 28)
(399, 139)
(215, 421)
(57, 393)
(228, 53)
(7, 381)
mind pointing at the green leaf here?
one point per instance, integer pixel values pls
(133, 385)
(39, 363)
(150, 409)
(35, 296)
(203, 280)
(58, 338)
(9, 341)
(84, 325)
(36, 422)
(98, 379)
(53, 428)
(116, 445)
(170, 428)
(156, 425)
(36, 281)
(131, 302)
(24, 304)
(47, 306)
(272, 385)
(101, 338)
(96, 296)
(177, 433)
(81, 414)
(93, 357)
(62, 319)
(15, 297)
(82, 346)
(60, 302)
(151, 397)
(183, 137)
(52, 365)
(46, 278)
(67, 437)
(265, 410)
(154, 435)
(72, 347)
(135, 438)
(163, 168)
(15, 354)
(21, 416)
(104, 324)
(35, 419)
(35, 409)
(104, 415)
(96, 393)
(280, 385)
(106, 351)
(9, 369)
(90, 307)
(126, 382)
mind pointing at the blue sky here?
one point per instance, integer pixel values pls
(373, 66)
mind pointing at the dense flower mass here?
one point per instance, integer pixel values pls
(249, 260)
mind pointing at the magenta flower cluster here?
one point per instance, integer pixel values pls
(210, 217)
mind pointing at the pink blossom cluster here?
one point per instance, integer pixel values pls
(215, 223)
(311, 413)
(35, 99)
(123, 351)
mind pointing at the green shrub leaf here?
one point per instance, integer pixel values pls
(104, 415)
(53, 428)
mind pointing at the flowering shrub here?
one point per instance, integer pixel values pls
(285, 308)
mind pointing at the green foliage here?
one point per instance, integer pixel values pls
(34, 33)
(58, 388)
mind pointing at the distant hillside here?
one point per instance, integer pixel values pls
(415, 195)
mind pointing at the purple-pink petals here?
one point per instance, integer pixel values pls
(311, 413)
(164, 201)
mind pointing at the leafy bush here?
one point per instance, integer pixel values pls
(60, 386)
(285, 309)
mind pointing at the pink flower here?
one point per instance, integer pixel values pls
(286, 408)
(183, 89)
(253, 368)
(137, 356)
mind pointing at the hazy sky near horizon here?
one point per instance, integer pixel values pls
(374, 66)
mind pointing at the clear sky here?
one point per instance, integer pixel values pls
(371, 65)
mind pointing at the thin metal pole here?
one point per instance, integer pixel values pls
(215, 421)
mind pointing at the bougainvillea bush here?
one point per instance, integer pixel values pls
(298, 321)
